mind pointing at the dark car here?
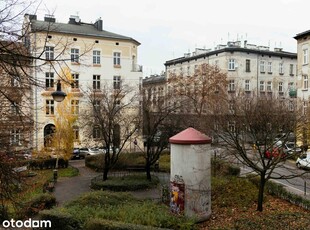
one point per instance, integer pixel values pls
(75, 153)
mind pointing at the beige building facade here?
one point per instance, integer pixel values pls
(91, 57)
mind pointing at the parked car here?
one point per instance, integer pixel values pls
(303, 161)
(290, 148)
(89, 151)
(76, 153)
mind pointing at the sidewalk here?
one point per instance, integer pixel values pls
(67, 189)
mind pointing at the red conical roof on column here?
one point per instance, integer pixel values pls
(190, 136)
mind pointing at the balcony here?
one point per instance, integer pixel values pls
(136, 68)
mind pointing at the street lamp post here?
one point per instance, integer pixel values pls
(59, 95)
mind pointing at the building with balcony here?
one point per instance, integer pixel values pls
(93, 58)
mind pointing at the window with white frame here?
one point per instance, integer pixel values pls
(231, 85)
(291, 69)
(262, 66)
(96, 105)
(49, 53)
(75, 107)
(49, 109)
(49, 80)
(116, 82)
(247, 85)
(75, 81)
(305, 107)
(305, 56)
(117, 58)
(96, 82)
(75, 53)
(281, 70)
(305, 82)
(262, 86)
(291, 106)
(269, 86)
(15, 138)
(231, 64)
(231, 126)
(269, 67)
(231, 107)
(280, 87)
(96, 57)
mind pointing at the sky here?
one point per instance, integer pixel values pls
(167, 29)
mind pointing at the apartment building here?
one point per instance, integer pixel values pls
(16, 125)
(94, 58)
(255, 70)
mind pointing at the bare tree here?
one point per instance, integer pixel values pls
(254, 131)
(113, 119)
(160, 122)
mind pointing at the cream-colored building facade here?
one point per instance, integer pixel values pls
(255, 70)
(93, 57)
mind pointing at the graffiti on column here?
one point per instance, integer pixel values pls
(177, 195)
(200, 200)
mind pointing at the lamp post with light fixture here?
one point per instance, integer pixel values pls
(58, 96)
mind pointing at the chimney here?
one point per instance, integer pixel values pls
(32, 17)
(49, 18)
(245, 43)
(74, 20)
(99, 24)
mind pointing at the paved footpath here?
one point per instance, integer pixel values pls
(67, 189)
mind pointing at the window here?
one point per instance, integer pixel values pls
(247, 85)
(96, 132)
(305, 107)
(305, 82)
(15, 81)
(305, 56)
(281, 68)
(231, 85)
(49, 53)
(96, 106)
(261, 86)
(262, 66)
(291, 70)
(269, 86)
(269, 67)
(231, 108)
(280, 87)
(75, 55)
(49, 80)
(247, 65)
(75, 107)
(96, 57)
(231, 126)
(117, 58)
(15, 137)
(291, 106)
(231, 64)
(116, 82)
(96, 82)
(14, 108)
(75, 81)
(76, 132)
(49, 107)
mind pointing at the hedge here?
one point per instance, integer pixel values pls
(47, 163)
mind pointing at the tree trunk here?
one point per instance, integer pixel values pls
(148, 170)
(261, 192)
(106, 166)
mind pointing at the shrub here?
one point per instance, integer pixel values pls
(96, 224)
(38, 203)
(60, 220)
(48, 163)
(124, 183)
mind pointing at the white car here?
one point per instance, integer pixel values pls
(303, 161)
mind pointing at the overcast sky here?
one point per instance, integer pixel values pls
(168, 29)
